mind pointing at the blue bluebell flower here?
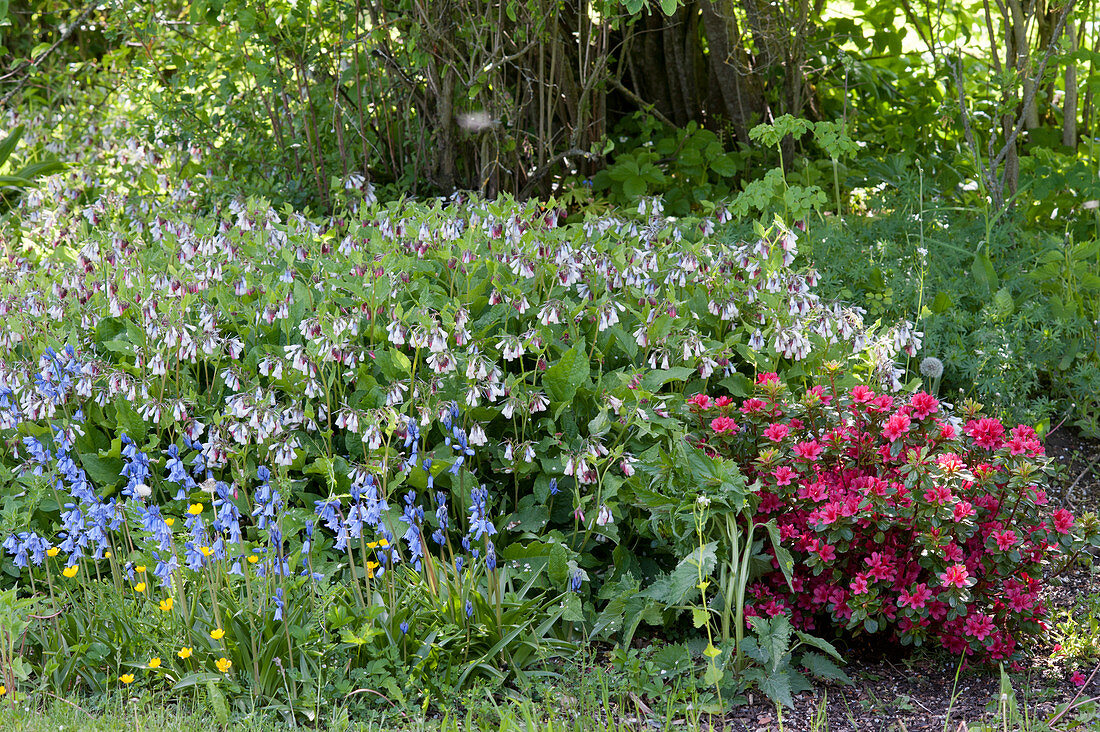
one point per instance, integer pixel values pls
(480, 525)
(490, 556)
(279, 604)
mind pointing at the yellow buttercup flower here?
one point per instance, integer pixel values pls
(206, 551)
(380, 543)
(154, 662)
(184, 652)
(140, 568)
(69, 572)
(139, 587)
(223, 664)
(195, 509)
(166, 604)
(107, 554)
(126, 678)
(3, 690)
(217, 634)
(252, 559)
(371, 566)
(52, 551)
(170, 521)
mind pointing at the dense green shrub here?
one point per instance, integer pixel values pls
(1011, 313)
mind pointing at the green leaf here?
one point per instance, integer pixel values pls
(567, 375)
(942, 302)
(786, 561)
(217, 700)
(824, 668)
(983, 272)
(669, 6)
(634, 186)
(130, 421)
(654, 380)
(724, 166)
(104, 472)
(777, 687)
(394, 364)
(675, 587)
(738, 384)
(699, 616)
(713, 675)
(7, 145)
(193, 679)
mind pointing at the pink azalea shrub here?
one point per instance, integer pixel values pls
(901, 518)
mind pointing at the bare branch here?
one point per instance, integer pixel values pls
(45, 54)
(541, 172)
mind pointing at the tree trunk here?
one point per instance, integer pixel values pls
(1018, 30)
(742, 98)
(1069, 108)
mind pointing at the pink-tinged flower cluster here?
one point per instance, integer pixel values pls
(723, 426)
(898, 521)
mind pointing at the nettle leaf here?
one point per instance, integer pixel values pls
(673, 660)
(567, 375)
(777, 687)
(634, 186)
(819, 643)
(678, 585)
(824, 668)
(774, 638)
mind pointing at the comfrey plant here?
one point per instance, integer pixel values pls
(903, 516)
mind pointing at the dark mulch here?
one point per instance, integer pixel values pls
(898, 692)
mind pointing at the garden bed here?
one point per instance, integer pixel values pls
(898, 691)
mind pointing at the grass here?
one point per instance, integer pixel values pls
(480, 712)
(55, 715)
